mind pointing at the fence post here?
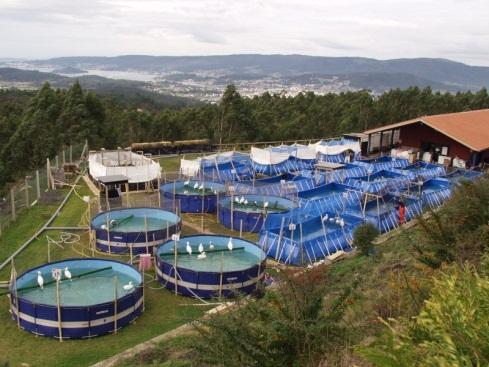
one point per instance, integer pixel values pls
(38, 185)
(48, 171)
(26, 189)
(64, 157)
(71, 153)
(12, 202)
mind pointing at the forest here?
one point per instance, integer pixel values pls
(35, 125)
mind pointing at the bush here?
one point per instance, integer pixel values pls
(293, 325)
(363, 238)
(459, 231)
(452, 328)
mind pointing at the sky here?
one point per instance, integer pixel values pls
(382, 29)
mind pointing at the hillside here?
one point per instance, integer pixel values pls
(126, 89)
(444, 72)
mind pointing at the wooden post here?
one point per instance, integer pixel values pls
(158, 192)
(107, 206)
(26, 189)
(71, 153)
(58, 304)
(240, 228)
(146, 232)
(38, 186)
(115, 304)
(13, 277)
(174, 196)
(48, 173)
(49, 249)
(12, 202)
(279, 238)
(128, 202)
(217, 206)
(221, 276)
(232, 210)
(108, 230)
(175, 266)
(302, 244)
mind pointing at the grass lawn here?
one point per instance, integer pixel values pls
(164, 311)
(28, 222)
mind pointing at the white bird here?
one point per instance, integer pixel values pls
(241, 201)
(201, 187)
(186, 183)
(246, 202)
(128, 286)
(325, 218)
(40, 280)
(201, 256)
(342, 223)
(211, 245)
(236, 199)
(265, 204)
(230, 244)
(201, 247)
(331, 219)
(185, 192)
(103, 226)
(113, 223)
(215, 192)
(255, 203)
(188, 248)
(196, 186)
(68, 274)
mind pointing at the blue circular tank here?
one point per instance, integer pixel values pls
(191, 196)
(102, 296)
(221, 273)
(249, 211)
(136, 230)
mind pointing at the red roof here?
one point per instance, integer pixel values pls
(469, 128)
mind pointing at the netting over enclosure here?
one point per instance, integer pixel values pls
(432, 193)
(310, 240)
(248, 212)
(191, 196)
(383, 211)
(462, 174)
(381, 181)
(336, 151)
(220, 167)
(421, 170)
(136, 167)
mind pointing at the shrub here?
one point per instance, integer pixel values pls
(291, 326)
(363, 238)
(452, 328)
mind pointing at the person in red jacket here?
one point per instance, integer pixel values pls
(402, 213)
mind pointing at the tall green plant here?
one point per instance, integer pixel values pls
(452, 329)
(291, 326)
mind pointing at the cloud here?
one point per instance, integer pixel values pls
(381, 29)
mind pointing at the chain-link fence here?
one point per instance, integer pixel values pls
(39, 186)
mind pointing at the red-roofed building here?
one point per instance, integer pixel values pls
(463, 135)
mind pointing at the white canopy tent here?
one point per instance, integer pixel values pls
(136, 167)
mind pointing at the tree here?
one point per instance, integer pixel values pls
(363, 238)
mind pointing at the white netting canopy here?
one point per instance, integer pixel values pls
(267, 156)
(136, 167)
(190, 167)
(337, 147)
